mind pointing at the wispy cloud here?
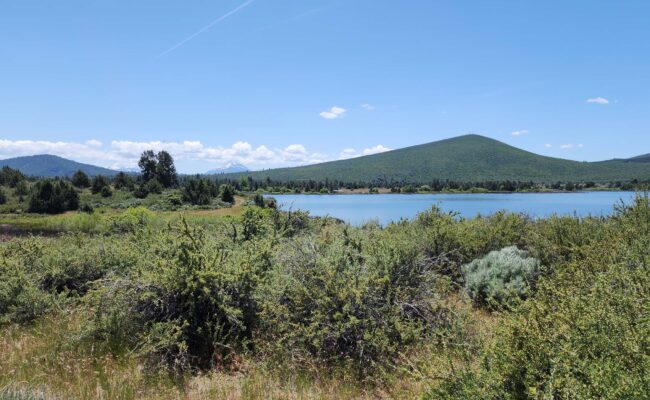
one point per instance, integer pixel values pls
(519, 132)
(548, 145)
(598, 100)
(368, 107)
(333, 113)
(569, 146)
(205, 28)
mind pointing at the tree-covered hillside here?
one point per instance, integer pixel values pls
(464, 158)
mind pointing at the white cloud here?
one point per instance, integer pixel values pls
(94, 143)
(351, 153)
(598, 100)
(375, 150)
(295, 153)
(569, 146)
(348, 153)
(519, 133)
(548, 145)
(333, 113)
(368, 107)
(125, 153)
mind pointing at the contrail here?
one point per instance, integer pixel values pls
(205, 28)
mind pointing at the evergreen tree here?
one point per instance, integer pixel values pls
(227, 194)
(80, 179)
(197, 191)
(98, 183)
(148, 164)
(21, 188)
(53, 197)
(123, 181)
(165, 170)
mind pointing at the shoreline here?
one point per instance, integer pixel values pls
(366, 192)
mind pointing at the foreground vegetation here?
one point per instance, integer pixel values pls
(265, 304)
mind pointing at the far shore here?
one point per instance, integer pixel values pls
(388, 191)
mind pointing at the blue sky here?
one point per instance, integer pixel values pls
(270, 83)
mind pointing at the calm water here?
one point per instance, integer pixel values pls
(359, 208)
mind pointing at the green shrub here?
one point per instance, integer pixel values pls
(87, 208)
(141, 192)
(133, 219)
(195, 309)
(334, 304)
(198, 191)
(20, 298)
(106, 191)
(3, 196)
(584, 335)
(98, 184)
(500, 277)
(153, 186)
(22, 189)
(53, 197)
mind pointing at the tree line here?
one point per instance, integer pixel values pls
(158, 173)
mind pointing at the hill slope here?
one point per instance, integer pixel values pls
(641, 158)
(464, 158)
(47, 165)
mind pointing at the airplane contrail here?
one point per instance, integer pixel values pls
(205, 28)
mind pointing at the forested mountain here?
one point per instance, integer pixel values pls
(463, 158)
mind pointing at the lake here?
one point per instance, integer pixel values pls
(384, 208)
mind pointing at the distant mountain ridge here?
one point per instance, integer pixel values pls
(47, 165)
(228, 169)
(642, 158)
(463, 158)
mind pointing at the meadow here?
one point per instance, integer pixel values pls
(142, 302)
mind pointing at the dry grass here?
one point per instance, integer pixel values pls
(42, 359)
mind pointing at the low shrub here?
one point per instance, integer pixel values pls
(106, 191)
(132, 219)
(195, 309)
(21, 300)
(501, 277)
(337, 305)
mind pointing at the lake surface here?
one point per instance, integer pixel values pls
(384, 208)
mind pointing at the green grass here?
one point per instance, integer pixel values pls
(466, 158)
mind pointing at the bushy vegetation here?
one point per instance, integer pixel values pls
(418, 301)
(501, 277)
(199, 191)
(53, 197)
